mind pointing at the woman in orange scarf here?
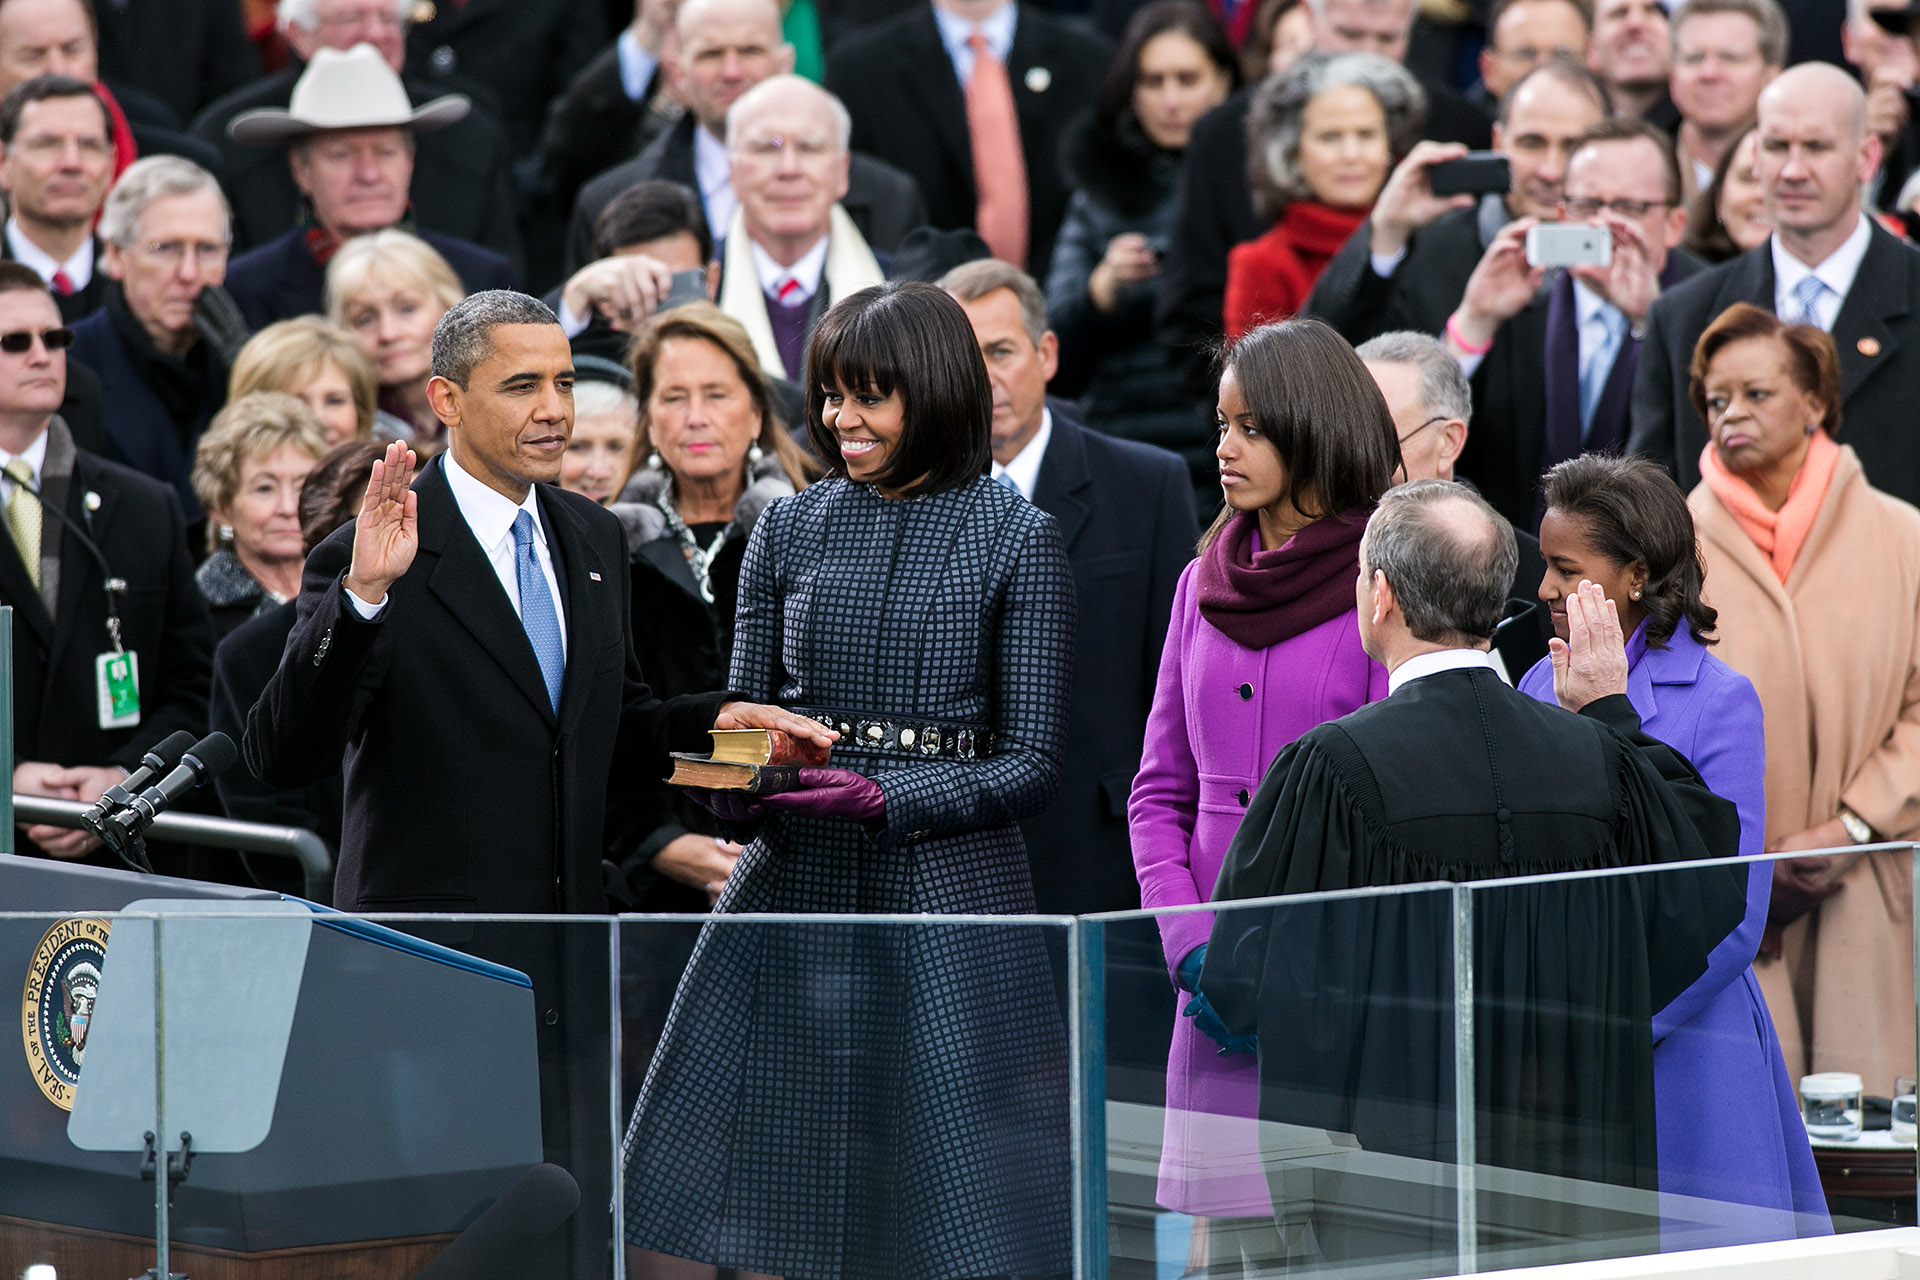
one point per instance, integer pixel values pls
(1816, 575)
(1322, 136)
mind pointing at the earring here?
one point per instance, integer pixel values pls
(755, 453)
(1636, 593)
(653, 460)
(226, 533)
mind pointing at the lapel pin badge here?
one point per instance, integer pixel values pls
(1869, 346)
(1038, 78)
(594, 576)
(91, 501)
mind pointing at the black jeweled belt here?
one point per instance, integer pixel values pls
(906, 736)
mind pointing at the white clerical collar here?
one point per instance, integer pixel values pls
(488, 512)
(79, 267)
(1432, 664)
(806, 272)
(1024, 470)
(1836, 270)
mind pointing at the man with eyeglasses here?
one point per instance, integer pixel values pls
(56, 158)
(165, 338)
(462, 175)
(790, 251)
(1826, 264)
(1408, 265)
(1552, 355)
(1431, 402)
(66, 744)
(1521, 34)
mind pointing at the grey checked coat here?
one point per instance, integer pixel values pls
(880, 1100)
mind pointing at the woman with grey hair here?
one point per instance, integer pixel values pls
(1321, 139)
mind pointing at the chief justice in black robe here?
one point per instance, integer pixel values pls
(1456, 777)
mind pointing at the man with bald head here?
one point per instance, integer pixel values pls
(790, 250)
(721, 49)
(1826, 264)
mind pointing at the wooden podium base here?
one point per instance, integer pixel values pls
(81, 1254)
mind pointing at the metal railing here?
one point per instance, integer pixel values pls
(316, 861)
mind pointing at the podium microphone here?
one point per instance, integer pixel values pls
(164, 755)
(210, 757)
(496, 1245)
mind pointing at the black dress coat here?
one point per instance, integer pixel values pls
(186, 53)
(462, 175)
(1526, 399)
(280, 279)
(464, 792)
(1455, 778)
(1421, 293)
(882, 201)
(139, 529)
(1125, 512)
(594, 125)
(1213, 211)
(520, 52)
(1877, 334)
(909, 109)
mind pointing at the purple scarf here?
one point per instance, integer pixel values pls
(1259, 598)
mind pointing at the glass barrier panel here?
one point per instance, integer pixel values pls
(1639, 1084)
(845, 1095)
(1292, 1109)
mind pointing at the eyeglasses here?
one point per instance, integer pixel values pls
(173, 252)
(770, 147)
(1580, 209)
(1438, 417)
(385, 15)
(20, 342)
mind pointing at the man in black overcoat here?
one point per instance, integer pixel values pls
(1456, 776)
(60, 603)
(1814, 154)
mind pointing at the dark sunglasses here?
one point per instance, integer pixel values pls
(21, 341)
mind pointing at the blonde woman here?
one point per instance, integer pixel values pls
(247, 473)
(388, 290)
(319, 362)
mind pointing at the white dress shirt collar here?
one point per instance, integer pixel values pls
(713, 169)
(35, 455)
(1836, 272)
(487, 511)
(955, 31)
(806, 273)
(1432, 664)
(79, 267)
(1024, 470)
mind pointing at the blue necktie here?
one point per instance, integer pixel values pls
(537, 613)
(1806, 293)
(1598, 368)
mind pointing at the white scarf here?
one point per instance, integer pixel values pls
(850, 268)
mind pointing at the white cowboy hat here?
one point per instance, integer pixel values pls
(350, 89)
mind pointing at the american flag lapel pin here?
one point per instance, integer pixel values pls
(593, 576)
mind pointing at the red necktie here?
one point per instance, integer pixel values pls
(999, 164)
(785, 291)
(62, 284)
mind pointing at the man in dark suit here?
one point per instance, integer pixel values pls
(521, 52)
(185, 53)
(1125, 512)
(1409, 265)
(350, 148)
(1213, 207)
(726, 47)
(66, 745)
(462, 176)
(905, 82)
(613, 108)
(1825, 264)
(56, 159)
(1552, 355)
(465, 646)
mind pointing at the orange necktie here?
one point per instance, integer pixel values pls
(999, 166)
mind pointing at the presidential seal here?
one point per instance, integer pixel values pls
(62, 983)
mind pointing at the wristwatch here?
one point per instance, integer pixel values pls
(1857, 829)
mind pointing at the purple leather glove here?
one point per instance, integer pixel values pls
(728, 806)
(831, 793)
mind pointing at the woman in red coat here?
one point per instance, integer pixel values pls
(1321, 139)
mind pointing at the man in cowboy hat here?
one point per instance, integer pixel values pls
(349, 130)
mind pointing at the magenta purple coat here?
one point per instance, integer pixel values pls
(1728, 1119)
(1221, 713)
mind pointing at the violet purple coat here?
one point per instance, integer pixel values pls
(1727, 1118)
(1221, 713)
